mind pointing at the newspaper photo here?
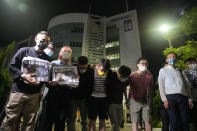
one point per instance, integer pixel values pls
(40, 68)
(193, 76)
(66, 75)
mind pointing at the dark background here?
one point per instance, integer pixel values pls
(21, 18)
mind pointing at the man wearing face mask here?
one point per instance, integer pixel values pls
(190, 73)
(174, 94)
(116, 87)
(81, 94)
(50, 50)
(141, 82)
(42, 110)
(25, 93)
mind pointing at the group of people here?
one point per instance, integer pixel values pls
(98, 95)
(178, 91)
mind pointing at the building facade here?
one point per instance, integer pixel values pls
(115, 37)
(82, 32)
(123, 41)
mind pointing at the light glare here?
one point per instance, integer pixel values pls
(164, 28)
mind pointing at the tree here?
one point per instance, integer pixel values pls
(5, 78)
(184, 52)
(185, 35)
(188, 22)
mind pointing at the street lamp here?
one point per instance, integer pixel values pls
(165, 29)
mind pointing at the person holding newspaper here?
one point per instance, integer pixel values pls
(190, 74)
(25, 92)
(59, 95)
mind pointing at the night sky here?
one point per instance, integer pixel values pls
(21, 18)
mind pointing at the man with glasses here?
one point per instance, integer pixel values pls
(141, 82)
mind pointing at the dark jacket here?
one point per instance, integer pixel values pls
(15, 70)
(86, 83)
(115, 89)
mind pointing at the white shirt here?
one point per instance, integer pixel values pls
(171, 82)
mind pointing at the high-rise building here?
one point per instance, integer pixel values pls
(115, 37)
(84, 33)
(122, 40)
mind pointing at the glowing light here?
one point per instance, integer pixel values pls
(17, 5)
(164, 28)
(22, 7)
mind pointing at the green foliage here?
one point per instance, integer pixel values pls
(156, 120)
(5, 78)
(184, 28)
(188, 22)
(184, 52)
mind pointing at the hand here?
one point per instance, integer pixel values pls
(28, 79)
(94, 66)
(191, 105)
(166, 105)
(53, 83)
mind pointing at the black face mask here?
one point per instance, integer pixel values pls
(42, 45)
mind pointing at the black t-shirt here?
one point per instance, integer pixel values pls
(115, 89)
(15, 70)
(86, 83)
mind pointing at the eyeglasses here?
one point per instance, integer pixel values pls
(143, 63)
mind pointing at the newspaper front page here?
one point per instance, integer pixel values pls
(66, 75)
(40, 68)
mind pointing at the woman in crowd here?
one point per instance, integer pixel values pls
(58, 97)
(98, 102)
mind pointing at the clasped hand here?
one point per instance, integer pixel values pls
(29, 79)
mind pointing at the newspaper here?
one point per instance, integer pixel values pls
(192, 76)
(66, 75)
(40, 68)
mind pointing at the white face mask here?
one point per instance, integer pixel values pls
(48, 52)
(66, 55)
(142, 68)
(122, 79)
(193, 66)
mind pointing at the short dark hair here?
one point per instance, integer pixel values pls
(43, 32)
(172, 53)
(124, 71)
(82, 60)
(189, 60)
(105, 63)
(141, 58)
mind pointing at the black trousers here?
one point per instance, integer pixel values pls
(55, 110)
(193, 115)
(178, 112)
(165, 119)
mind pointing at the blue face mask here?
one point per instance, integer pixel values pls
(172, 61)
(122, 79)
